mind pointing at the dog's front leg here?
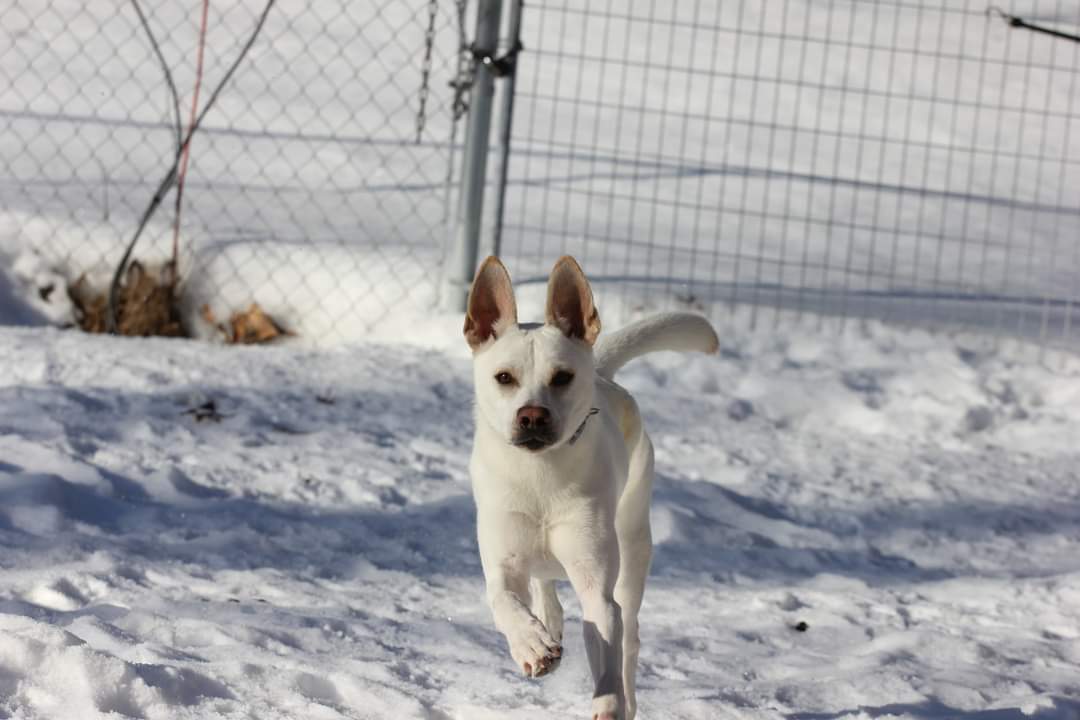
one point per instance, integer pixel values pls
(531, 645)
(590, 556)
(504, 553)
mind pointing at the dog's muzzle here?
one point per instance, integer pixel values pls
(533, 428)
(533, 442)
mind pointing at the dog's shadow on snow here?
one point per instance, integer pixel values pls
(64, 495)
(218, 531)
(704, 527)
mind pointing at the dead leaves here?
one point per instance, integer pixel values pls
(249, 327)
(146, 303)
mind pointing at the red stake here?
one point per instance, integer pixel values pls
(187, 148)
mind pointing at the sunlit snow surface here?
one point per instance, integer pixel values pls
(310, 552)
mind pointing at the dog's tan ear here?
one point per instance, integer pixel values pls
(570, 305)
(491, 303)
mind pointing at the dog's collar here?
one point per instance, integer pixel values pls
(581, 428)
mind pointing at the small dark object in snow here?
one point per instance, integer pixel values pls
(801, 626)
(206, 411)
(325, 399)
(862, 381)
(46, 291)
(968, 355)
(978, 418)
(739, 409)
(390, 496)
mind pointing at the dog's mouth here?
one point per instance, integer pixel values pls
(533, 442)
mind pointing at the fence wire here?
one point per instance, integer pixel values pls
(917, 162)
(912, 161)
(307, 190)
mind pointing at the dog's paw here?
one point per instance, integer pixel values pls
(606, 707)
(534, 649)
(545, 665)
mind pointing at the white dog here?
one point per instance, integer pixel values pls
(562, 472)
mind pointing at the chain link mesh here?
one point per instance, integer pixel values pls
(919, 162)
(913, 161)
(308, 189)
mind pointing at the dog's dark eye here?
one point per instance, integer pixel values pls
(561, 378)
(504, 378)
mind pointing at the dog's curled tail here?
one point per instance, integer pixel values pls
(665, 331)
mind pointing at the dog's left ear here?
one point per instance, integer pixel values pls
(570, 305)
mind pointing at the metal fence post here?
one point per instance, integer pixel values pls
(463, 255)
(506, 122)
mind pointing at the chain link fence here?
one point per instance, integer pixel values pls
(315, 186)
(860, 158)
(912, 161)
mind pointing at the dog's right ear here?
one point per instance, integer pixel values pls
(491, 306)
(570, 305)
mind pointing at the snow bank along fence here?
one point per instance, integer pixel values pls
(906, 160)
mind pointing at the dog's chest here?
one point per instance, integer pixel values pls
(533, 495)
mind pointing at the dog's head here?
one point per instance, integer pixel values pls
(534, 383)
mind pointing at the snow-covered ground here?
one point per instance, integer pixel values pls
(309, 553)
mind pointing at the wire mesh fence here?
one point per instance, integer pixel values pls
(913, 161)
(917, 162)
(308, 188)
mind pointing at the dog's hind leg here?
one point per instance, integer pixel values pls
(590, 554)
(546, 606)
(628, 593)
(635, 557)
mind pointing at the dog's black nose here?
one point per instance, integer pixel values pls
(533, 417)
